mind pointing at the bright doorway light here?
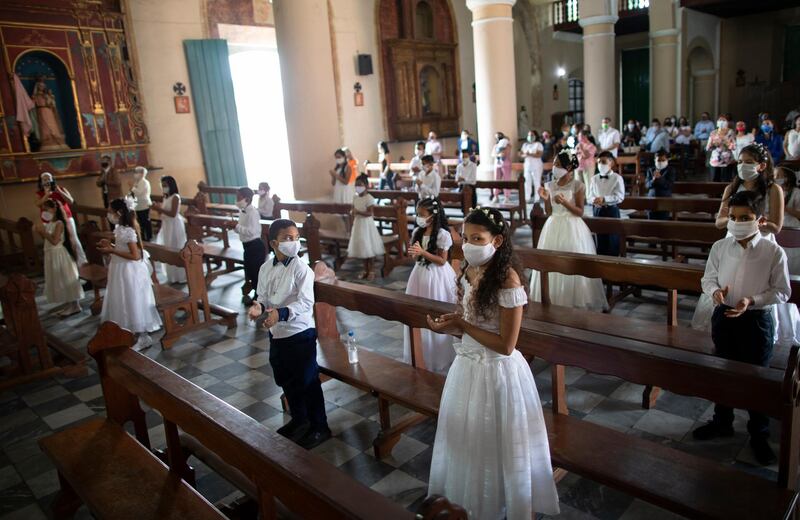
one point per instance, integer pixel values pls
(262, 123)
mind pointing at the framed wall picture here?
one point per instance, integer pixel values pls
(182, 105)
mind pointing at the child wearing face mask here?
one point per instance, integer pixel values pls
(365, 240)
(531, 153)
(428, 182)
(606, 193)
(340, 179)
(266, 206)
(140, 191)
(491, 433)
(467, 175)
(286, 301)
(129, 300)
(565, 230)
(49, 189)
(746, 276)
(62, 284)
(433, 278)
(248, 228)
(658, 181)
(173, 228)
(415, 164)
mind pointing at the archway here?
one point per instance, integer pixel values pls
(702, 81)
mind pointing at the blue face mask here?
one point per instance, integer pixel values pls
(766, 128)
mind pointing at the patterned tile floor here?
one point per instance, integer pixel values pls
(233, 366)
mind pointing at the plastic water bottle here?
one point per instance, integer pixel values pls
(352, 348)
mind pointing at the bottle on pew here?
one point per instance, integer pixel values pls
(352, 348)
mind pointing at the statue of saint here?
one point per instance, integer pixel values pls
(51, 133)
(523, 125)
(426, 97)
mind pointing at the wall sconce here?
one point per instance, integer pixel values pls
(561, 72)
(358, 96)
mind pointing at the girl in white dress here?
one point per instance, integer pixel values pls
(365, 240)
(129, 301)
(755, 172)
(61, 281)
(173, 228)
(433, 278)
(340, 178)
(787, 180)
(491, 453)
(565, 230)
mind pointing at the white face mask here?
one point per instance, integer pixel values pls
(261, 193)
(780, 182)
(422, 222)
(603, 168)
(465, 161)
(558, 172)
(289, 248)
(742, 230)
(660, 165)
(165, 189)
(47, 216)
(360, 189)
(631, 126)
(464, 137)
(478, 255)
(722, 124)
(339, 160)
(241, 204)
(420, 152)
(747, 171)
(113, 218)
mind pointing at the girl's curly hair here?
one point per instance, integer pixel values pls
(485, 301)
(438, 221)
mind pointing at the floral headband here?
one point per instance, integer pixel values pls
(489, 215)
(763, 151)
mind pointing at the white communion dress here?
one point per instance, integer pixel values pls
(435, 282)
(173, 234)
(491, 453)
(567, 232)
(61, 281)
(129, 301)
(365, 240)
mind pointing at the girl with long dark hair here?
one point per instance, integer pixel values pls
(62, 284)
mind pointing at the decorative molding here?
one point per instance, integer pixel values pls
(492, 19)
(664, 32)
(565, 36)
(474, 4)
(597, 20)
(597, 35)
(704, 73)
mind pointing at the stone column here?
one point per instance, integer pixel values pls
(309, 96)
(495, 83)
(599, 72)
(664, 53)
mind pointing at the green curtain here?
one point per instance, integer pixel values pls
(211, 86)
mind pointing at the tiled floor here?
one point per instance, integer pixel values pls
(233, 366)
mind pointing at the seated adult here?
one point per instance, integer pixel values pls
(658, 181)
(631, 135)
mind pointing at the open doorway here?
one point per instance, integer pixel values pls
(258, 89)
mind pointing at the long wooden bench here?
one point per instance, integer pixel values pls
(680, 208)
(32, 353)
(709, 189)
(181, 310)
(17, 247)
(118, 476)
(83, 214)
(687, 484)
(449, 198)
(515, 213)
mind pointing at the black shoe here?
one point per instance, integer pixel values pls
(314, 438)
(247, 300)
(87, 286)
(763, 452)
(293, 430)
(712, 431)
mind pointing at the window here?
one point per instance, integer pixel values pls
(423, 26)
(576, 99)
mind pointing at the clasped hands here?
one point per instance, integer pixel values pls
(740, 308)
(255, 311)
(450, 323)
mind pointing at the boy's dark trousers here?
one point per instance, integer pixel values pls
(607, 244)
(254, 256)
(143, 216)
(294, 366)
(474, 194)
(387, 182)
(748, 338)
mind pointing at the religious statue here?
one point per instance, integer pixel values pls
(426, 97)
(51, 133)
(523, 124)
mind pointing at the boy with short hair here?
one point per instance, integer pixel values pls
(658, 181)
(467, 175)
(428, 182)
(415, 164)
(249, 229)
(606, 191)
(746, 274)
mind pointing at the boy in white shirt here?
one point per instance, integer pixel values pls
(428, 181)
(415, 164)
(467, 175)
(266, 205)
(286, 305)
(606, 192)
(249, 229)
(746, 275)
(532, 152)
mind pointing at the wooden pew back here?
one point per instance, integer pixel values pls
(83, 214)
(17, 247)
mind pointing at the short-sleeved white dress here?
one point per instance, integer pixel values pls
(365, 240)
(173, 234)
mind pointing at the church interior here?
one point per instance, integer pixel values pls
(423, 259)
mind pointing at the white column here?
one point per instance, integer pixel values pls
(598, 68)
(495, 83)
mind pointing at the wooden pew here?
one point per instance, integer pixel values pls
(396, 243)
(33, 354)
(709, 189)
(681, 208)
(181, 310)
(686, 484)
(94, 270)
(83, 214)
(122, 478)
(449, 199)
(516, 213)
(17, 248)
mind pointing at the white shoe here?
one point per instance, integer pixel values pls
(144, 342)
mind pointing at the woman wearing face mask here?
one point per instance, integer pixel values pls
(502, 162)
(48, 189)
(61, 282)
(792, 142)
(721, 144)
(756, 173)
(433, 278)
(771, 139)
(585, 151)
(385, 160)
(365, 240)
(140, 191)
(565, 230)
(743, 138)
(490, 434)
(631, 135)
(343, 189)
(173, 227)
(531, 153)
